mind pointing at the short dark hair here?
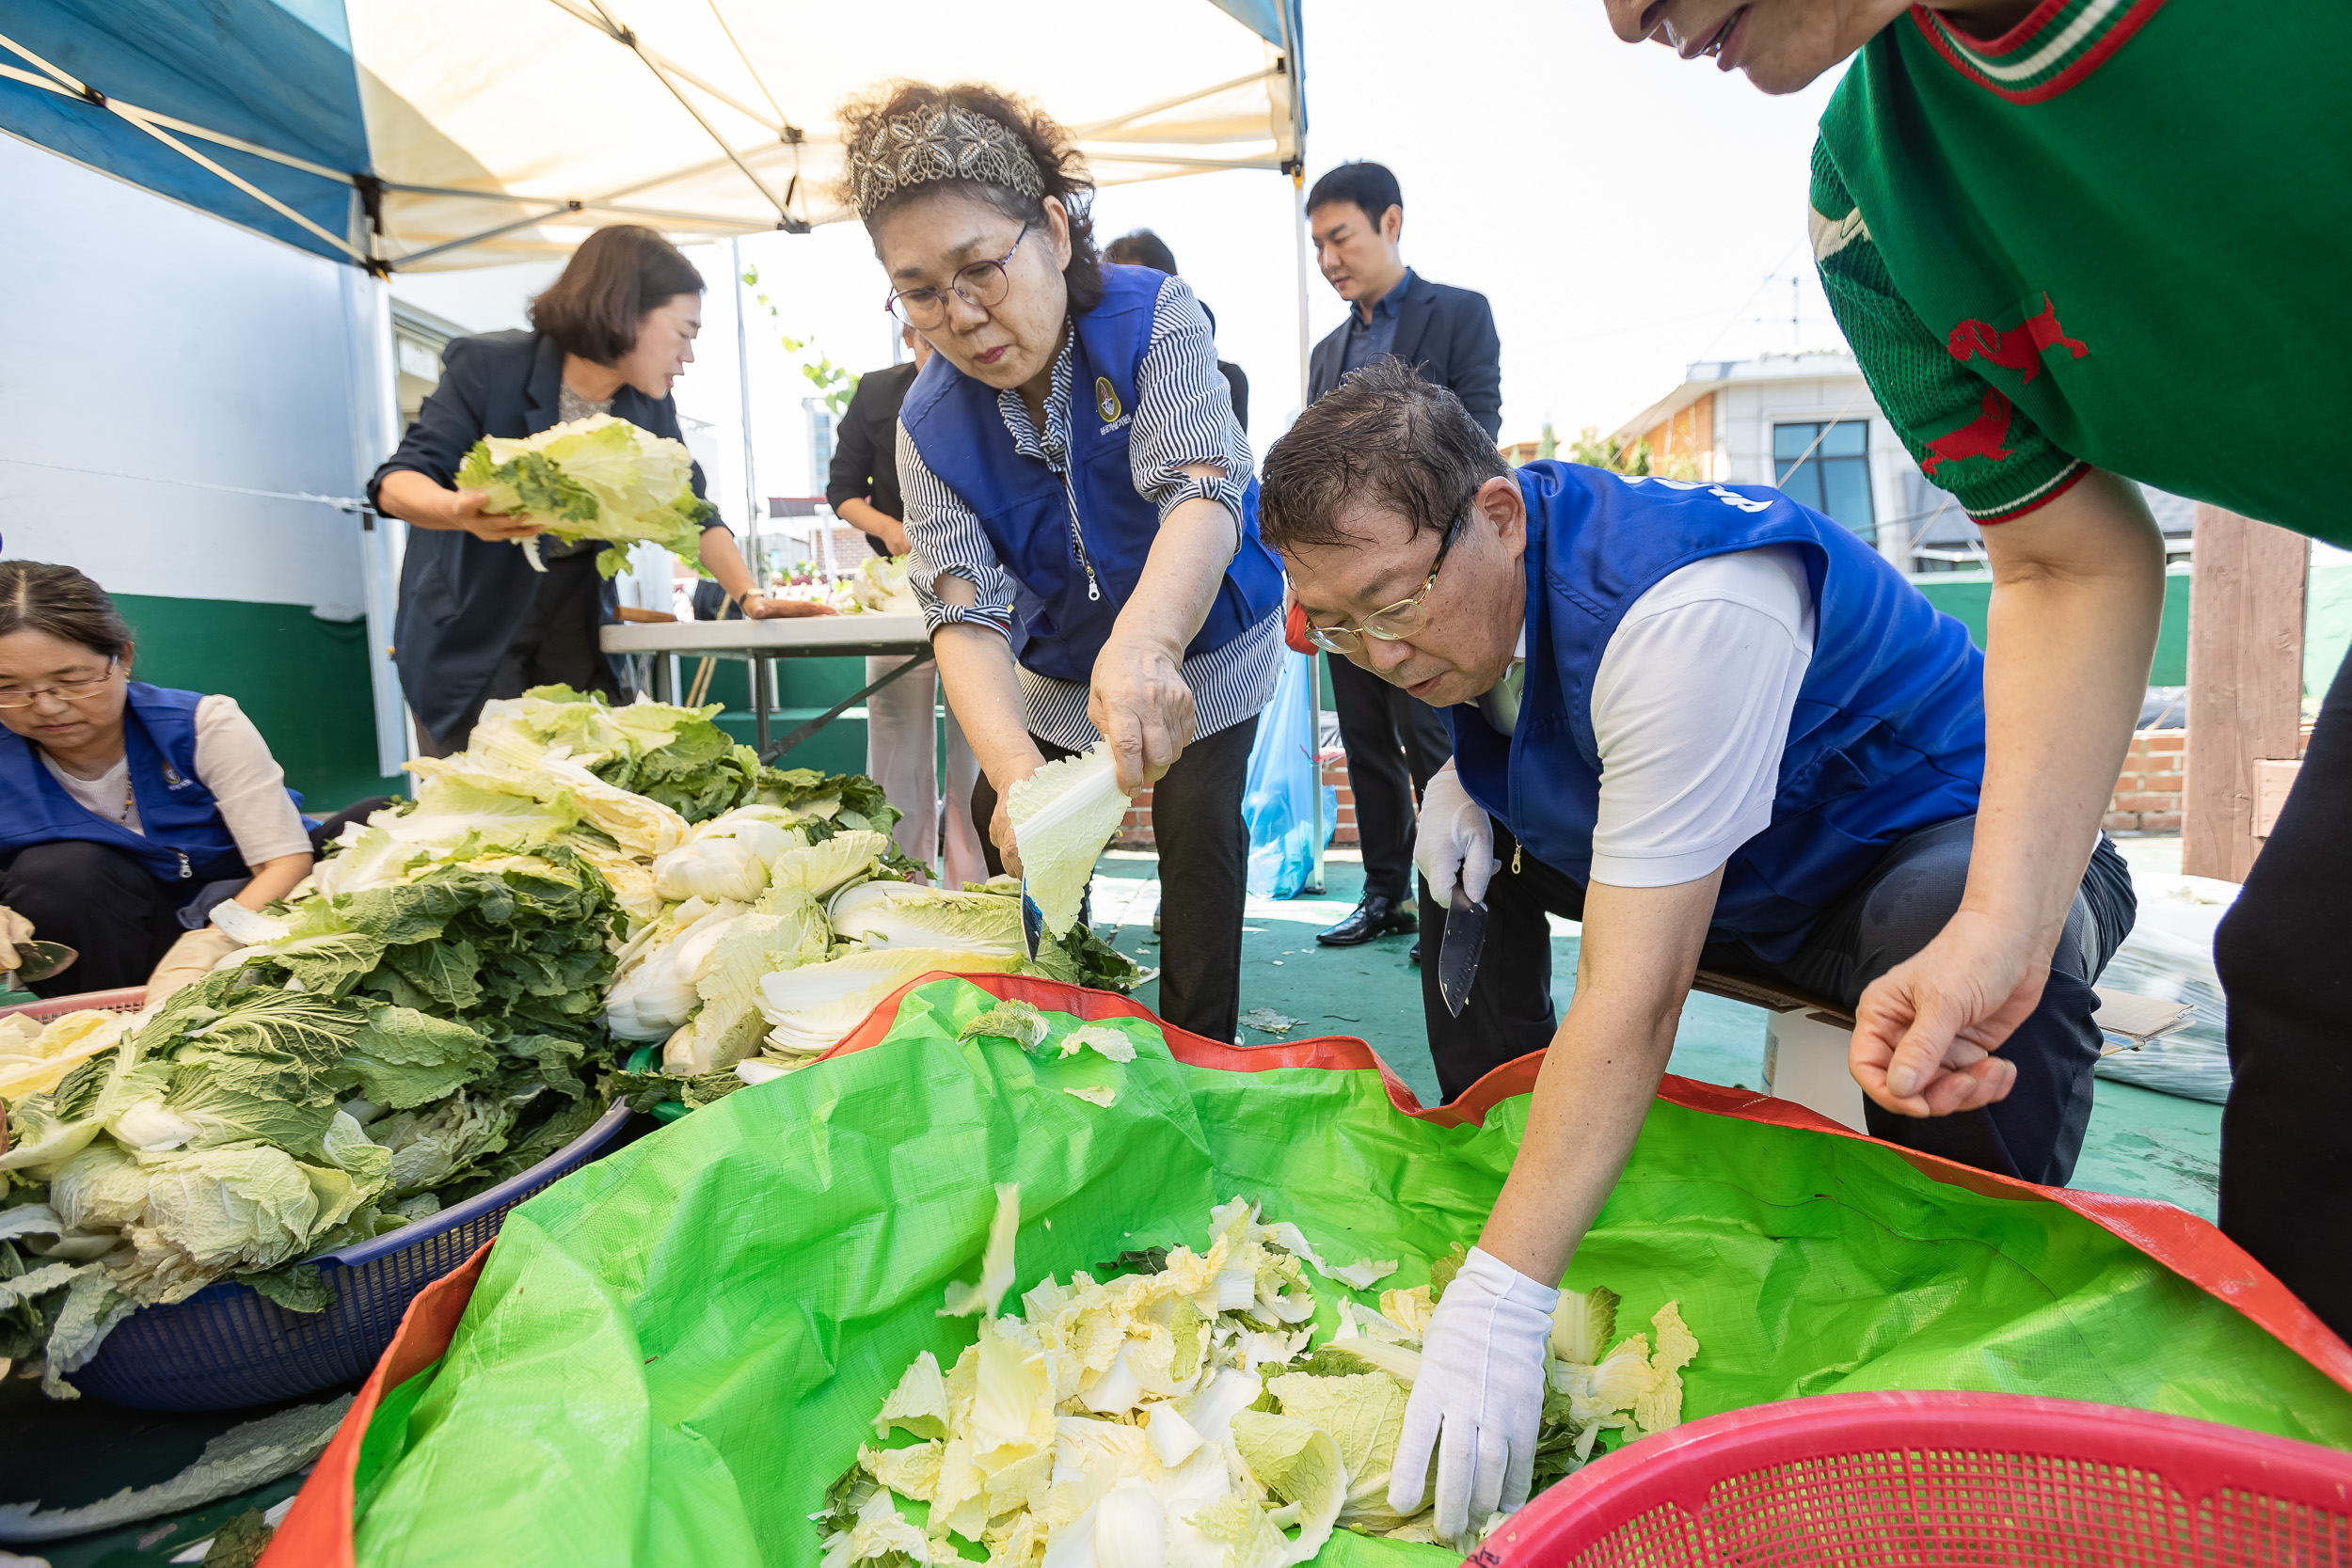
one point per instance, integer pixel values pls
(62, 603)
(1142, 249)
(1059, 164)
(1369, 186)
(614, 278)
(1385, 437)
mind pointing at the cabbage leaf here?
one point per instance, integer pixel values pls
(1062, 815)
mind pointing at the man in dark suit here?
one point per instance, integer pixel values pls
(1394, 741)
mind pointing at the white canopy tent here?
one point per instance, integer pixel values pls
(421, 134)
(502, 129)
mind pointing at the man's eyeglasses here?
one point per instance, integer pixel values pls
(71, 692)
(1402, 619)
(981, 285)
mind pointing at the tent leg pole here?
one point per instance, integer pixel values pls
(1315, 664)
(743, 386)
(1314, 750)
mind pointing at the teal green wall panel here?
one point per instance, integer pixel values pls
(2326, 626)
(1967, 595)
(303, 681)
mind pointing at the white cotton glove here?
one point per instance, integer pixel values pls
(1482, 1385)
(197, 954)
(1454, 839)
(14, 929)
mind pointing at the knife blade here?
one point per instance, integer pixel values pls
(1032, 921)
(39, 960)
(1457, 957)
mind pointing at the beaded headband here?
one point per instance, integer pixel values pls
(943, 143)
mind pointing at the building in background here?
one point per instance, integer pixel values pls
(1806, 424)
(418, 340)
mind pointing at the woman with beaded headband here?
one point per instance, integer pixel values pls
(1079, 500)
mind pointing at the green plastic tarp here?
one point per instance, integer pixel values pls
(670, 1355)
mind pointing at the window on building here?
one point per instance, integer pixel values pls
(1827, 468)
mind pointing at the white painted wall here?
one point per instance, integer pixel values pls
(152, 349)
(1748, 407)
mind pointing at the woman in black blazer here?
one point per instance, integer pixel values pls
(475, 621)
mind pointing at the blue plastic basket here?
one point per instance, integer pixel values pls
(229, 1345)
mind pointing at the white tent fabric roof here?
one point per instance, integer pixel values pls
(506, 129)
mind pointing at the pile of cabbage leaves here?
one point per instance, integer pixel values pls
(399, 1050)
(427, 1015)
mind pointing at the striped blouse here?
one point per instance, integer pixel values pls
(1184, 414)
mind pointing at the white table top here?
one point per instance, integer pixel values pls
(812, 636)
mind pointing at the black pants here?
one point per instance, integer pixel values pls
(555, 645)
(2286, 1134)
(1204, 875)
(120, 916)
(101, 902)
(1891, 914)
(1394, 742)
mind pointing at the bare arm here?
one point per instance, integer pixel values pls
(864, 515)
(725, 563)
(1633, 968)
(420, 503)
(272, 879)
(2077, 591)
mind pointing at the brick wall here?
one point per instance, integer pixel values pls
(2147, 795)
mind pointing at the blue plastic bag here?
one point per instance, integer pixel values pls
(1283, 769)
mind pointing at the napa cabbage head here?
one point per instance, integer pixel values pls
(908, 914)
(597, 478)
(810, 1008)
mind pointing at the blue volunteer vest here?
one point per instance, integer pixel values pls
(185, 840)
(1062, 617)
(1888, 730)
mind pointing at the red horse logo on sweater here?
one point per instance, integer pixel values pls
(2021, 347)
(1979, 438)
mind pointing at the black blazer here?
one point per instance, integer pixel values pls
(462, 597)
(1447, 334)
(865, 445)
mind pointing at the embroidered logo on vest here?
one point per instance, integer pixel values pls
(1105, 400)
(2016, 348)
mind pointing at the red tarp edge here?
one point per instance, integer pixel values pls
(317, 1533)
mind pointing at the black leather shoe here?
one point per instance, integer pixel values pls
(1414, 957)
(1376, 916)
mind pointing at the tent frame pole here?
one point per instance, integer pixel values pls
(1314, 665)
(743, 386)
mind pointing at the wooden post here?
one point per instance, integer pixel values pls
(2244, 683)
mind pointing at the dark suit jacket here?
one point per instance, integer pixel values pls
(1447, 334)
(865, 445)
(462, 597)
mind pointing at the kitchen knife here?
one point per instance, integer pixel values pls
(1457, 957)
(1032, 921)
(39, 960)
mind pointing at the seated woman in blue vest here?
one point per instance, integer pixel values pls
(122, 803)
(1079, 500)
(1717, 728)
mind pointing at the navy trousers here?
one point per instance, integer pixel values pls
(1892, 912)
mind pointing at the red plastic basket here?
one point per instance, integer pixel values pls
(130, 999)
(1875, 1481)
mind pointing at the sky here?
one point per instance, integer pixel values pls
(1625, 211)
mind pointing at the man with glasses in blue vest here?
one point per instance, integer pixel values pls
(1716, 728)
